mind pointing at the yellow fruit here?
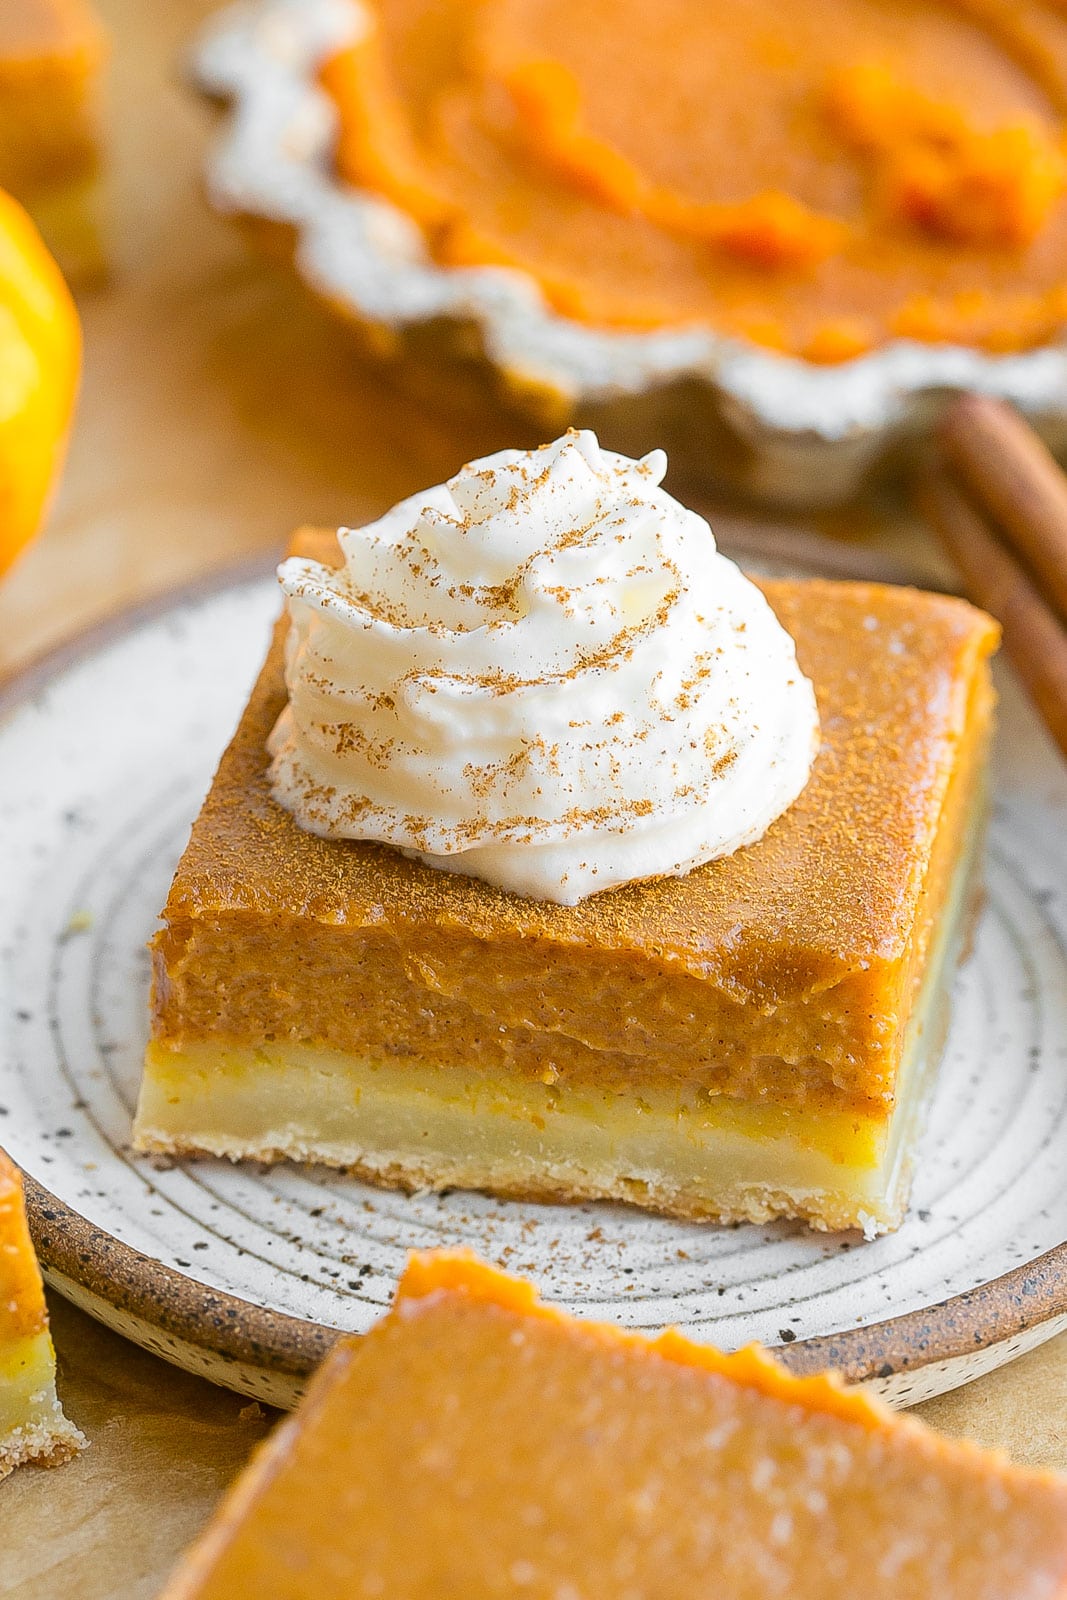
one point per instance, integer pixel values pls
(40, 362)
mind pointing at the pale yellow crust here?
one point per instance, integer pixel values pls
(414, 1177)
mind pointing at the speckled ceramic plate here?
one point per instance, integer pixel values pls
(244, 1274)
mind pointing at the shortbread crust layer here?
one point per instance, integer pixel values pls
(32, 1425)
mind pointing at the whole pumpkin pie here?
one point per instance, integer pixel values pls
(818, 178)
(755, 1037)
(478, 1443)
(51, 56)
(32, 1425)
(674, 225)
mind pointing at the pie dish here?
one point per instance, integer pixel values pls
(32, 1425)
(533, 1454)
(874, 242)
(753, 1040)
(51, 56)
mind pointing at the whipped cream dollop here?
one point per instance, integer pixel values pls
(541, 673)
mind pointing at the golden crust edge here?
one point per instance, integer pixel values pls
(41, 1444)
(412, 1177)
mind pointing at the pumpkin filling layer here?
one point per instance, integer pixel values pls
(816, 175)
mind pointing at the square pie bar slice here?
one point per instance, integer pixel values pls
(32, 1425)
(756, 1039)
(476, 1444)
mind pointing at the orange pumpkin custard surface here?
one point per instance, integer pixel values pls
(478, 1444)
(818, 176)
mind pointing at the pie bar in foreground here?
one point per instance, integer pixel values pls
(51, 55)
(755, 1039)
(32, 1426)
(478, 1444)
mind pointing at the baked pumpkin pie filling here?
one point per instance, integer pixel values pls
(817, 178)
(754, 1038)
(477, 1442)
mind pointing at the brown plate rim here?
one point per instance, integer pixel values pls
(239, 1331)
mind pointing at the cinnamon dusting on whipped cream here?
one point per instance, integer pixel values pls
(543, 674)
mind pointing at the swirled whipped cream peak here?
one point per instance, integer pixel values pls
(541, 673)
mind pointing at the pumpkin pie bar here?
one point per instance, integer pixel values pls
(477, 1443)
(51, 56)
(32, 1425)
(755, 1039)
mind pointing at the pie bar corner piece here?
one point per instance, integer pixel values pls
(32, 1425)
(757, 1039)
(52, 54)
(476, 1443)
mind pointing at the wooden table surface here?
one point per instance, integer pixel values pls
(219, 410)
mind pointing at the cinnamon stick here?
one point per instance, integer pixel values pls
(1034, 637)
(1013, 475)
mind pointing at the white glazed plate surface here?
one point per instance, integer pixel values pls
(103, 764)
